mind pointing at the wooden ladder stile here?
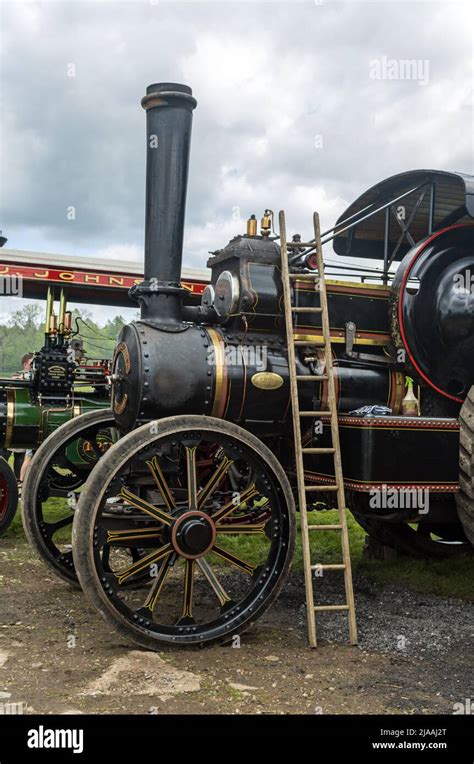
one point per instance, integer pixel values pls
(317, 278)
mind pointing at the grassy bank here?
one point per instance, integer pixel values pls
(448, 578)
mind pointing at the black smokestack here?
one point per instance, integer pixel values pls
(169, 108)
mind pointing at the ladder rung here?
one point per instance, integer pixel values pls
(305, 276)
(320, 608)
(309, 342)
(313, 377)
(307, 310)
(315, 413)
(329, 566)
(330, 487)
(317, 341)
(318, 450)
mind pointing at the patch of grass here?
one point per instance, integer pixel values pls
(326, 545)
(15, 530)
(234, 695)
(447, 578)
(56, 508)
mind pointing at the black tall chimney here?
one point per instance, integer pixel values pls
(169, 108)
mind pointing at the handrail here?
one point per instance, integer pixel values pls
(336, 230)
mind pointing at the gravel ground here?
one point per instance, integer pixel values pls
(414, 654)
(395, 619)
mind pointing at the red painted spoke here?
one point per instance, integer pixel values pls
(215, 481)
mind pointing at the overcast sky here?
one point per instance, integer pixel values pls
(289, 114)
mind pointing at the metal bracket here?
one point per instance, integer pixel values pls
(351, 329)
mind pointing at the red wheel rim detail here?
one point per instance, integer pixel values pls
(181, 521)
(400, 310)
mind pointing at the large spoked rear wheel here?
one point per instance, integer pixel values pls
(57, 472)
(465, 497)
(8, 495)
(217, 520)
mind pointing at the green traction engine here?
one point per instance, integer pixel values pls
(61, 385)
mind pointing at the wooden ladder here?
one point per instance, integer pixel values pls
(317, 280)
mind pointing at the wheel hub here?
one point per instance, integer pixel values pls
(193, 534)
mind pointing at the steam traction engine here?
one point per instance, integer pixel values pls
(62, 384)
(195, 500)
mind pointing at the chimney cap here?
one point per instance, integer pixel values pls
(168, 94)
(173, 87)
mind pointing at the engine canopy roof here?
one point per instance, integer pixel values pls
(448, 198)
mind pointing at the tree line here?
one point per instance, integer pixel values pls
(23, 332)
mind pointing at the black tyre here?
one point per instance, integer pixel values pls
(465, 497)
(210, 580)
(8, 495)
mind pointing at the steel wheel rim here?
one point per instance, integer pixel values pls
(57, 551)
(65, 483)
(228, 613)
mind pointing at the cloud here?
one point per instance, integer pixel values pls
(288, 116)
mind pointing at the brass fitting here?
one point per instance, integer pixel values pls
(62, 310)
(49, 310)
(266, 223)
(252, 226)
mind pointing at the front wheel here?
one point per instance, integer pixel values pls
(213, 510)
